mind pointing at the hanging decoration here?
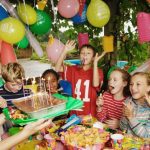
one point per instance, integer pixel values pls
(108, 43)
(83, 38)
(41, 4)
(143, 20)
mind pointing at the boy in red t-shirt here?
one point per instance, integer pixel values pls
(86, 79)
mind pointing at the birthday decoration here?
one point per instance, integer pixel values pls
(108, 43)
(80, 18)
(27, 13)
(3, 13)
(33, 41)
(41, 4)
(43, 23)
(23, 43)
(83, 38)
(68, 8)
(11, 30)
(143, 19)
(54, 49)
(98, 13)
(7, 53)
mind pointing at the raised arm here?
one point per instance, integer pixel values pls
(68, 47)
(96, 77)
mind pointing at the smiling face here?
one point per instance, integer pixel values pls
(116, 83)
(139, 86)
(86, 55)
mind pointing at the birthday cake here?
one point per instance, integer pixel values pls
(39, 105)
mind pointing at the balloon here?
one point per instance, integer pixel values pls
(54, 50)
(7, 53)
(3, 13)
(23, 43)
(43, 23)
(68, 8)
(33, 41)
(79, 19)
(98, 13)
(11, 30)
(27, 13)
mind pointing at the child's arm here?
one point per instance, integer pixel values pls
(3, 103)
(139, 128)
(25, 133)
(2, 119)
(68, 47)
(96, 78)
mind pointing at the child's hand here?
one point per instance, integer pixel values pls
(70, 45)
(128, 110)
(147, 98)
(112, 123)
(3, 103)
(99, 100)
(36, 126)
(97, 58)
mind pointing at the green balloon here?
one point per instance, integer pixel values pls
(23, 43)
(43, 23)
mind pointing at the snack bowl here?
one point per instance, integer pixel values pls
(39, 105)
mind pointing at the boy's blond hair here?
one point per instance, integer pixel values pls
(12, 72)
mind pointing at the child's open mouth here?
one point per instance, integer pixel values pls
(111, 88)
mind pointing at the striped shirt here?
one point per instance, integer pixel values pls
(140, 124)
(111, 108)
(8, 96)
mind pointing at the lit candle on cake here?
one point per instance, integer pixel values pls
(23, 86)
(49, 88)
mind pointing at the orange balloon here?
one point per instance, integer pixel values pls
(7, 53)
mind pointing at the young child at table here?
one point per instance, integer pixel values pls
(86, 79)
(12, 73)
(110, 104)
(28, 130)
(136, 118)
(53, 83)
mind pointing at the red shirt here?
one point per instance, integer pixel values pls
(111, 109)
(82, 88)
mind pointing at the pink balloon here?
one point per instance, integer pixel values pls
(54, 50)
(7, 53)
(68, 8)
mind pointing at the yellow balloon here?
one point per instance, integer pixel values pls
(98, 13)
(11, 30)
(27, 13)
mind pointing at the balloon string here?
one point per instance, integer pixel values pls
(54, 11)
(25, 11)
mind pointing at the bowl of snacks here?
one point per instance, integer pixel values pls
(83, 138)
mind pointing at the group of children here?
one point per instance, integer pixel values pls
(125, 105)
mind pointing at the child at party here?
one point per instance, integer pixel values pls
(53, 84)
(13, 73)
(24, 134)
(86, 79)
(110, 104)
(136, 118)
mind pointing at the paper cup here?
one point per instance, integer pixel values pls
(51, 141)
(117, 140)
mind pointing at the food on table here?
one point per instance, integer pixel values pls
(81, 136)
